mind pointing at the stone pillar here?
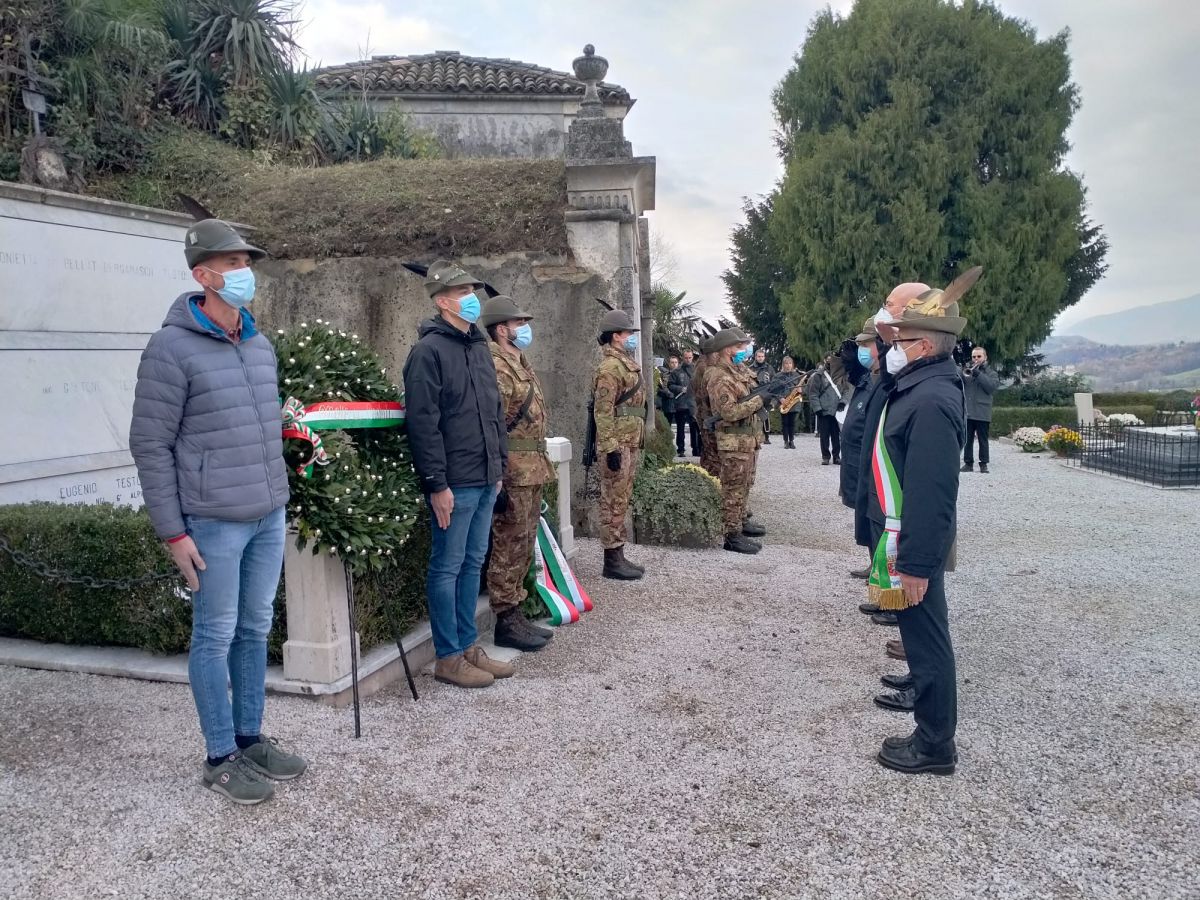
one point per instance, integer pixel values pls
(608, 189)
(646, 291)
(559, 451)
(318, 620)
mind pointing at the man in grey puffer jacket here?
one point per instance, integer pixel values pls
(207, 439)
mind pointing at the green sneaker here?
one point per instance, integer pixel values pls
(269, 759)
(238, 780)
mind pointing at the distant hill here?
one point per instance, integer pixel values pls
(1116, 367)
(1158, 323)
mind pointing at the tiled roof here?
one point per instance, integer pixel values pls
(449, 72)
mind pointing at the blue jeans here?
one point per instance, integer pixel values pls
(455, 558)
(231, 616)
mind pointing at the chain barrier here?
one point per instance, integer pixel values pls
(59, 577)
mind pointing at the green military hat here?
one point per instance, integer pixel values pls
(937, 309)
(868, 333)
(209, 237)
(727, 337)
(617, 320)
(501, 308)
(704, 342)
(444, 274)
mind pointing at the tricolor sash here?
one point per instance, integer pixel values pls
(560, 570)
(562, 611)
(883, 587)
(303, 422)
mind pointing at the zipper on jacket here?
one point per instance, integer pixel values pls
(262, 432)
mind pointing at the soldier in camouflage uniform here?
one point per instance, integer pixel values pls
(620, 411)
(515, 521)
(708, 439)
(750, 527)
(737, 433)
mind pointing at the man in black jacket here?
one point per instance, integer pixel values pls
(915, 449)
(455, 424)
(679, 383)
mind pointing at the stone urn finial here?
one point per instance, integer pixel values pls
(590, 69)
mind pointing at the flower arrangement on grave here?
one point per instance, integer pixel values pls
(1030, 439)
(1063, 440)
(354, 492)
(677, 505)
(1121, 420)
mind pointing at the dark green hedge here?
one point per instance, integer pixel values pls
(114, 542)
(1007, 419)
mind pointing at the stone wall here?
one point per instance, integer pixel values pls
(383, 302)
(517, 128)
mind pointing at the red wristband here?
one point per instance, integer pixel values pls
(177, 538)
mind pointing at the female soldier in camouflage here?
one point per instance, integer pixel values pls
(620, 412)
(515, 522)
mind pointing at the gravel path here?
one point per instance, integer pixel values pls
(707, 732)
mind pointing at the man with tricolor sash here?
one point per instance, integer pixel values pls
(518, 509)
(913, 485)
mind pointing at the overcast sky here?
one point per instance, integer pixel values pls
(703, 71)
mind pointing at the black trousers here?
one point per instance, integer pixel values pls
(684, 419)
(977, 427)
(788, 423)
(925, 630)
(830, 432)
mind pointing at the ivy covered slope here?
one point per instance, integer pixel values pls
(364, 503)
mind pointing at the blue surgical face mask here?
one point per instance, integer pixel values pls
(522, 337)
(741, 356)
(864, 357)
(632, 343)
(468, 308)
(239, 286)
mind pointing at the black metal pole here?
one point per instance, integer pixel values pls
(412, 685)
(353, 652)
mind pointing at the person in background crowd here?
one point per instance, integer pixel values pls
(620, 413)
(455, 424)
(680, 384)
(853, 427)
(980, 381)
(207, 439)
(518, 506)
(825, 398)
(787, 420)
(665, 399)
(763, 373)
(916, 445)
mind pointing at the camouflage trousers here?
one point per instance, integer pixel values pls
(616, 489)
(737, 472)
(709, 460)
(513, 534)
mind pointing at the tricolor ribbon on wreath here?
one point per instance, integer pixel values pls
(303, 422)
(883, 587)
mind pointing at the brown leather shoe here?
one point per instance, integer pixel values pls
(457, 671)
(475, 656)
(895, 649)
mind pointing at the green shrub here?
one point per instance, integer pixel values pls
(1007, 419)
(1050, 390)
(115, 542)
(660, 444)
(1120, 401)
(678, 505)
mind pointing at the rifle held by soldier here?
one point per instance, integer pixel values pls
(777, 388)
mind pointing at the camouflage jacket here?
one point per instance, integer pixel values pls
(528, 464)
(699, 380)
(622, 426)
(753, 380)
(727, 389)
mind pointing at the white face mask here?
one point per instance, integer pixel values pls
(895, 360)
(883, 317)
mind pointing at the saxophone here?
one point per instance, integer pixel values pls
(797, 394)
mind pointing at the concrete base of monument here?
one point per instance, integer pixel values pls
(377, 668)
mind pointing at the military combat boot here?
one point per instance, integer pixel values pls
(739, 543)
(617, 566)
(629, 562)
(750, 528)
(510, 632)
